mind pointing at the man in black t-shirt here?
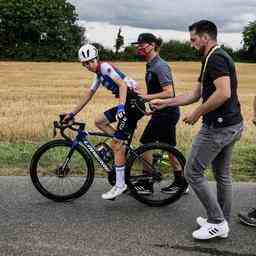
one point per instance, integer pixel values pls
(222, 126)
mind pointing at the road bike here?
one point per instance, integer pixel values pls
(64, 169)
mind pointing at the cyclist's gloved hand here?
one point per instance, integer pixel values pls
(65, 118)
(120, 112)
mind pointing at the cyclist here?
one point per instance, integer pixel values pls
(162, 125)
(123, 88)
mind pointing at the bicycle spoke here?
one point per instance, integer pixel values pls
(57, 180)
(152, 171)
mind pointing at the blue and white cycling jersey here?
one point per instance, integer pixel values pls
(105, 76)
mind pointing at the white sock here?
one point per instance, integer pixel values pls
(120, 180)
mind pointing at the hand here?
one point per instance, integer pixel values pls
(142, 94)
(66, 117)
(192, 118)
(145, 96)
(137, 90)
(159, 103)
(120, 112)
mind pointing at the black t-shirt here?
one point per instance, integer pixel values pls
(158, 75)
(220, 64)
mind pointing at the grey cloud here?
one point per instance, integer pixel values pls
(229, 15)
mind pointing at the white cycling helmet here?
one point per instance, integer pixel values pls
(87, 52)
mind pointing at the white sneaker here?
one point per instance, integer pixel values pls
(201, 221)
(210, 230)
(114, 192)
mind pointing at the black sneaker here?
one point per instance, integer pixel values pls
(174, 188)
(248, 218)
(144, 187)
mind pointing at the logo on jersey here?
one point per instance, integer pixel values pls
(220, 120)
(109, 70)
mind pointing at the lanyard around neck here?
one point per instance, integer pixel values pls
(207, 58)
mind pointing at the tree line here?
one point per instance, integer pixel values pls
(47, 30)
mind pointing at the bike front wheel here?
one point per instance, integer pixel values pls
(150, 174)
(60, 172)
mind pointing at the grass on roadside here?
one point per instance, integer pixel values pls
(15, 160)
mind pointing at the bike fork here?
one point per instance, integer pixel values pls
(67, 160)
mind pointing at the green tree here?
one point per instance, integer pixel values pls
(176, 50)
(99, 47)
(39, 29)
(249, 38)
(229, 50)
(119, 41)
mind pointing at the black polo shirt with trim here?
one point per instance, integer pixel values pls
(229, 113)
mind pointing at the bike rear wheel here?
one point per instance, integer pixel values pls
(61, 173)
(151, 163)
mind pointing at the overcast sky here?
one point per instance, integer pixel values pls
(168, 18)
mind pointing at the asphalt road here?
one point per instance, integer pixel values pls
(34, 225)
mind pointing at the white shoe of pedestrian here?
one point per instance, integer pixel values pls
(201, 221)
(211, 230)
(114, 192)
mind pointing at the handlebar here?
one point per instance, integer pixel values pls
(71, 124)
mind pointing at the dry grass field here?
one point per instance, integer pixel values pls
(33, 94)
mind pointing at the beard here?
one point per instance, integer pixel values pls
(201, 50)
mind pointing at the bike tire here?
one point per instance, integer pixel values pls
(133, 163)
(79, 157)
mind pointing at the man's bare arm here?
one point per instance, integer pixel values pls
(180, 100)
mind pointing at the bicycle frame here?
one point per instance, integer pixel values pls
(63, 169)
(81, 139)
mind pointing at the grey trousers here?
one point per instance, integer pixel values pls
(213, 146)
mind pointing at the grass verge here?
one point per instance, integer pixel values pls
(15, 159)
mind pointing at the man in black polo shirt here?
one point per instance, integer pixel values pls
(222, 126)
(162, 125)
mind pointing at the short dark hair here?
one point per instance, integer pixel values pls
(204, 26)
